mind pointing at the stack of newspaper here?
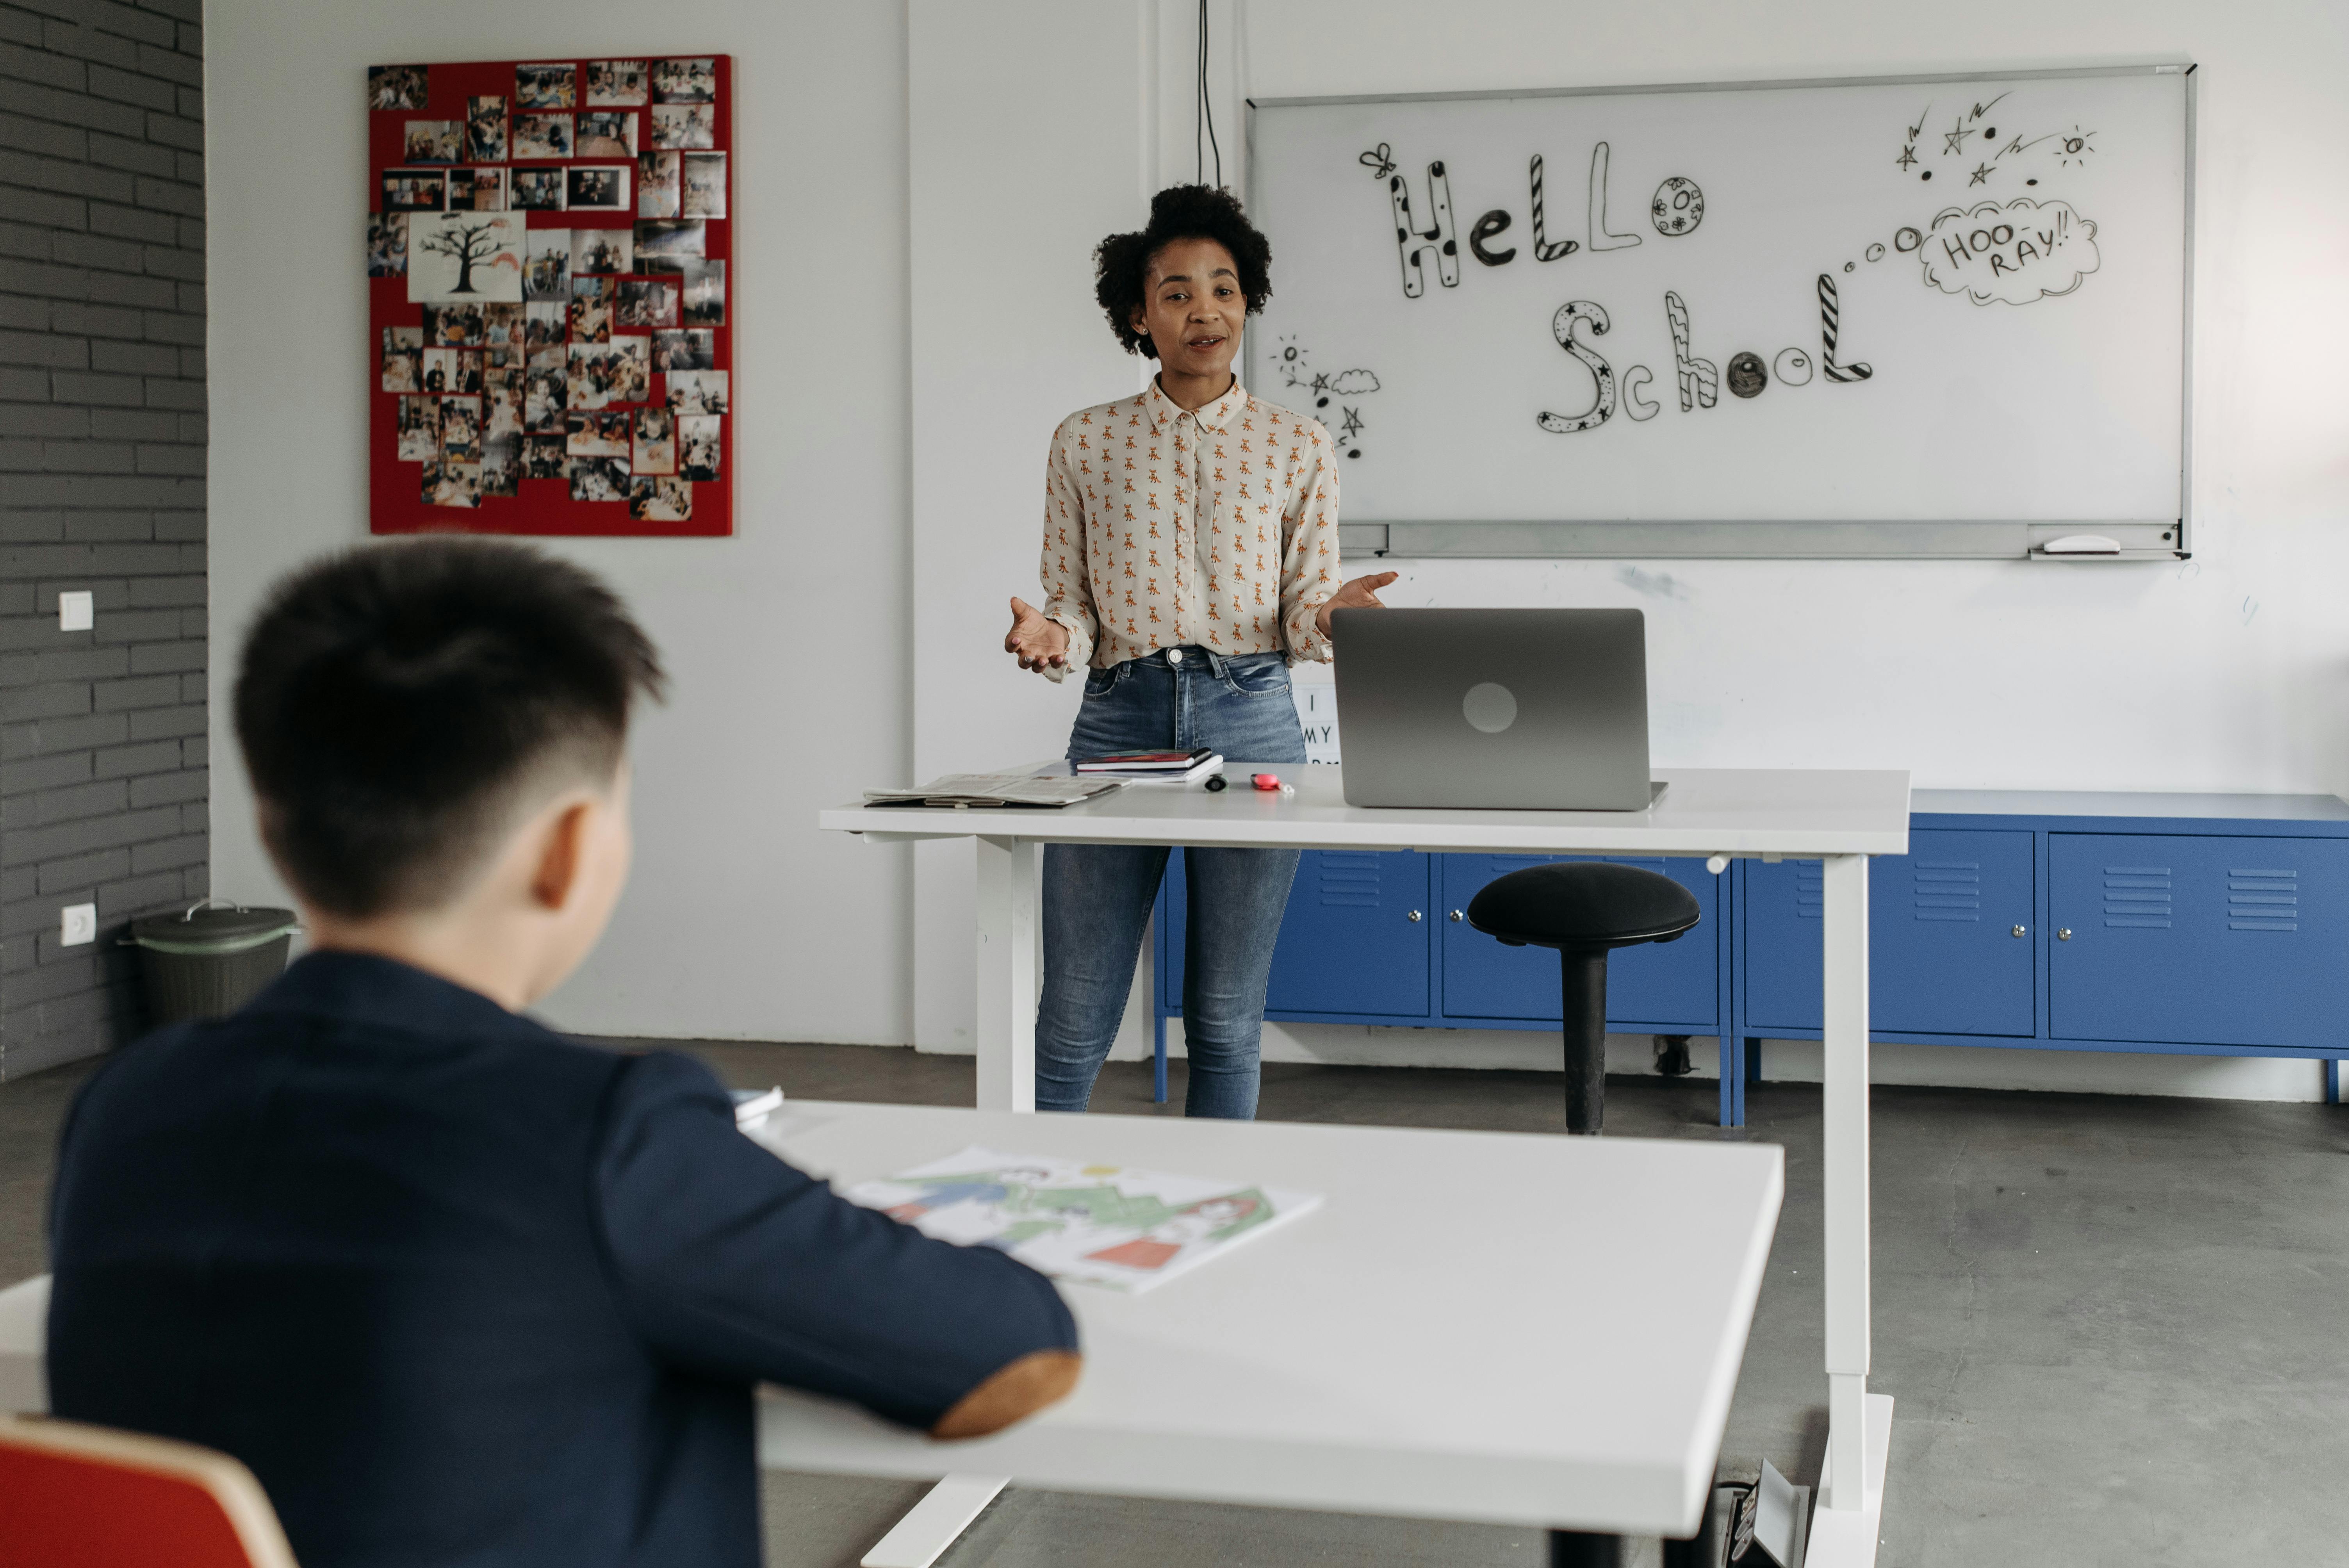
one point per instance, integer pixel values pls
(972, 789)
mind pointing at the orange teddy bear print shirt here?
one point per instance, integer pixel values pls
(1164, 528)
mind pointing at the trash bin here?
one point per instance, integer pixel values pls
(210, 960)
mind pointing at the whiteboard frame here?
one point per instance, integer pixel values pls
(1934, 538)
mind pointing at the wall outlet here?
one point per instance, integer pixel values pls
(79, 925)
(77, 611)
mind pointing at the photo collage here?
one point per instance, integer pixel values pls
(548, 247)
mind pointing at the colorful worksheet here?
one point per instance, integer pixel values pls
(1098, 1224)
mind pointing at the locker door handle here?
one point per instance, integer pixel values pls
(1457, 917)
(1414, 917)
(2064, 935)
(2017, 932)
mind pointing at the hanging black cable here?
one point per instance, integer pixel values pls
(1205, 116)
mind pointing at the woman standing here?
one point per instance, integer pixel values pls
(1190, 558)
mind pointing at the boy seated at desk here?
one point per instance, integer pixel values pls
(456, 1289)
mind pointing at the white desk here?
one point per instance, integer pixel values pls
(1840, 817)
(1466, 1329)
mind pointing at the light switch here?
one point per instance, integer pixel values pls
(79, 925)
(77, 611)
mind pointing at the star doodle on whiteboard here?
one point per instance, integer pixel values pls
(1982, 175)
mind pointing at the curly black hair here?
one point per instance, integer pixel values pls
(1122, 261)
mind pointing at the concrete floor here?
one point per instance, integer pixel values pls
(2112, 1324)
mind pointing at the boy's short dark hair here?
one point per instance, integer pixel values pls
(1122, 261)
(397, 703)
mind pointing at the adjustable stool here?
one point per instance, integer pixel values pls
(1585, 909)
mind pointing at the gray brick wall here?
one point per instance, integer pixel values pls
(102, 763)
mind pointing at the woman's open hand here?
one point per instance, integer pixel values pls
(1362, 594)
(1041, 644)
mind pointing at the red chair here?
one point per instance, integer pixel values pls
(74, 1496)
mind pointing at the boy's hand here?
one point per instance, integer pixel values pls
(1014, 1393)
(1040, 644)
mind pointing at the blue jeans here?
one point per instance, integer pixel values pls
(1097, 897)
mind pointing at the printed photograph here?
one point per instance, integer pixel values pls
(542, 456)
(546, 266)
(598, 188)
(615, 83)
(646, 302)
(696, 446)
(656, 184)
(420, 429)
(696, 392)
(655, 451)
(453, 484)
(460, 429)
(501, 466)
(433, 142)
(705, 293)
(542, 136)
(477, 190)
(603, 375)
(611, 134)
(397, 87)
(654, 499)
(602, 251)
(542, 398)
(414, 190)
(453, 325)
(464, 256)
(691, 348)
(538, 189)
(705, 185)
(544, 86)
(387, 244)
(685, 81)
(440, 369)
(502, 326)
(602, 434)
(543, 324)
(403, 360)
(682, 126)
(598, 478)
(500, 403)
(554, 359)
(485, 130)
(591, 308)
(670, 240)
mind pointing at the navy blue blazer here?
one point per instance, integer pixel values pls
(460, 1291)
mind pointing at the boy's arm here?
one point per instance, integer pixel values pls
(734, 1265)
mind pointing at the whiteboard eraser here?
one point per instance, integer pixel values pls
(2082, 545)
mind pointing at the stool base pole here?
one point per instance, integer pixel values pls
(1573, 1549)
(1582, 985)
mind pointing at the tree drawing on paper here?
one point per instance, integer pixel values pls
(467, 244)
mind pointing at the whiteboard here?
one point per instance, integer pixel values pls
(1930, 316)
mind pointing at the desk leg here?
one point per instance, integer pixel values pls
(934, 1523)
(1851, 1496)
(1008, 935)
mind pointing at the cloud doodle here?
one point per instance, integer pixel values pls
(2018, 252)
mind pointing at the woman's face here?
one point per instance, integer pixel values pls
(1191, 307)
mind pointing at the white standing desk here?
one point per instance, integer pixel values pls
(1466, 1329)
(1838, 816)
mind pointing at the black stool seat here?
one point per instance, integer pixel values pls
(1585, 909)
(1583, 903)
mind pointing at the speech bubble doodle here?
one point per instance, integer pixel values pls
(2022, 250)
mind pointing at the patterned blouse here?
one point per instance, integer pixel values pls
(1164, 528)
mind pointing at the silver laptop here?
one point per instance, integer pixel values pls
(1510, 709)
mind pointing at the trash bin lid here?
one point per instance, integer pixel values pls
(213, 929)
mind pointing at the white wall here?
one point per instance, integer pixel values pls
(787, 644)
(2227, 672)
(921, 188)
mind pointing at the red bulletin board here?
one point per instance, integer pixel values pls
(522, 384)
